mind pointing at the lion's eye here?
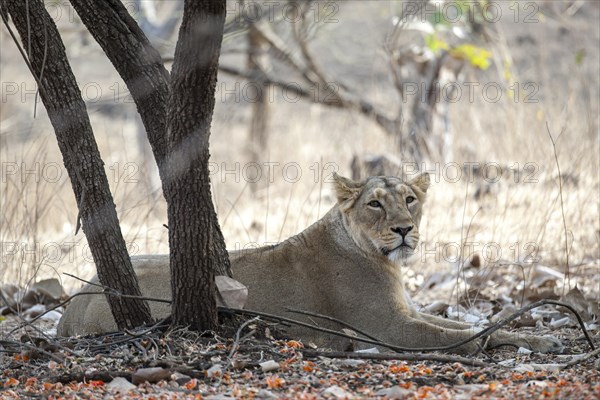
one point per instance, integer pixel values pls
(375, 204)
(410, 199)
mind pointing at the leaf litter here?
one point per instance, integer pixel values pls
(161, 363)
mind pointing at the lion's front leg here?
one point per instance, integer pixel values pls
(419, 333)
(540, 344)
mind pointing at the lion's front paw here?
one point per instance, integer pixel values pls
(540, 344)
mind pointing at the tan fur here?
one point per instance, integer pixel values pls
(345, 266)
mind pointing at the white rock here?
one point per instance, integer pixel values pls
(523, 350)
(467, 392)
(538, 367)
(52, 316)
(536, 383)
(350, 362)
(233, 293)
(369, 350)
(559, 323)
(269, 365)
(120, 385)
(394, 392)
(337, 391)
(214, 371)
(265, 394)
(180, 378)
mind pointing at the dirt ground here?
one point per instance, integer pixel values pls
(151, 364)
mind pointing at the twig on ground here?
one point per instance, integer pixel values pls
(588, 356)
(236, 342)
(158, 324)
(7, 344)
(397, 356)
(131, 335)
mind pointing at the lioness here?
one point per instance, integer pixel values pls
(346, 265)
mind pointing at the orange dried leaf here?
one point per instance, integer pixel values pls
(308, 366)
(191, 384)
(395, 369)
(274, 382)
(295, 344)
(11, 382)
(31, 381)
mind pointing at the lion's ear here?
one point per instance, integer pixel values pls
(345, 189)
(421, 182)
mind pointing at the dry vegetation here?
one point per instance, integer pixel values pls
(38, 210)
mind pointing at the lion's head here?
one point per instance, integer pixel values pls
(383, 213)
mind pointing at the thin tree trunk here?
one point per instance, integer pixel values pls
(68, 115)
(197, 247)
(257, 62)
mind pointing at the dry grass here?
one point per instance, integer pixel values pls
(519, 216)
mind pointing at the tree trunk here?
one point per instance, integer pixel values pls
(257, 63)
(197, 247)
(137, 62)
(68, 115)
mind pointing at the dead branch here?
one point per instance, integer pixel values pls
(112, 292)
(396, 356)
(586, 357)
(236, 342)
(17, 347)
(361, 105)
(105, 376)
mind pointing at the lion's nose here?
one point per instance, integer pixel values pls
(402, 231)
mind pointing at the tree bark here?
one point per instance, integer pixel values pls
(68, 115)
(197, 247)
(137, 62)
